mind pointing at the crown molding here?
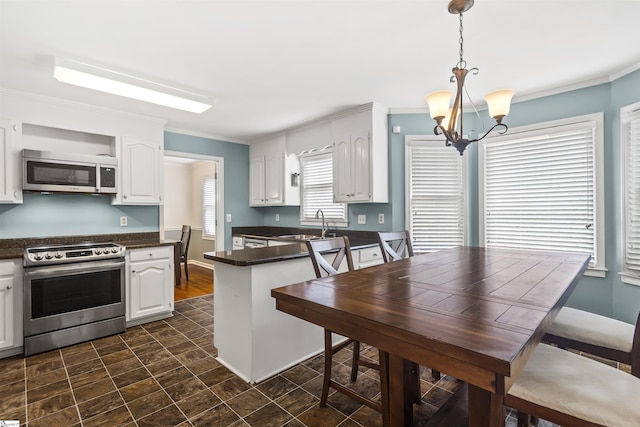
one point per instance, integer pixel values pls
(204, 135)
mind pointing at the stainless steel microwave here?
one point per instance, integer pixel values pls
(69, 172)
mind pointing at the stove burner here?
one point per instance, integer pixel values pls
(60, 254)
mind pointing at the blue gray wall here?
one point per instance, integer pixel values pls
(45, 215)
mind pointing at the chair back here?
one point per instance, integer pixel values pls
(394, 245)
(339, 245)
(184, 241)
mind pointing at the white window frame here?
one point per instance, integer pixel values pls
(436, 142)
(630, 271)
(208, 207)
(597, 267)
(311, 220)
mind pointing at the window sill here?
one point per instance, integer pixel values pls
(329, 224)
(630, 280)
(596, 272)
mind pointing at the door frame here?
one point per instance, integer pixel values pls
(219, 241)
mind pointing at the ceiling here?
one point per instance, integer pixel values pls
(272, 65)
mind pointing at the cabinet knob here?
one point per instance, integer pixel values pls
(125, 196)
(9, 286)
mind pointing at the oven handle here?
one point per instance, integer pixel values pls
(74, 268)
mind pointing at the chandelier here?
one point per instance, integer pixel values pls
(449, 120)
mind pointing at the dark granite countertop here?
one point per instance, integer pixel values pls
(297, 249)
(14, 248)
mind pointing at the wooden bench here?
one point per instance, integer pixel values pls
(572, 390)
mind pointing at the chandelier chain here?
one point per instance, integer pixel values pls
(462, 63)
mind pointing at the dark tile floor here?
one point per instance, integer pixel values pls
(165, 374)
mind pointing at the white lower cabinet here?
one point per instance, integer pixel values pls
(368, 257)
(11, 306)
(150, 278)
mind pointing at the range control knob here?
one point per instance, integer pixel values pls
(114, 250)
(59, 255)
(49, 255)
(38, 256)
(98, 251)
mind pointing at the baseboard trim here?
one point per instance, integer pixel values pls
(200, 264)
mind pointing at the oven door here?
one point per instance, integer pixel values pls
(62, 296)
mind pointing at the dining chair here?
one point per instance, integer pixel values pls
(571, 390)
(396, 245)
(339, 249)
(184, 248)
(597, 335)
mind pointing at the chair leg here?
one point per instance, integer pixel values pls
(435, 375)
(328, 356)
(186, 270)
(412, 381)
(526, 420)
(354, 360)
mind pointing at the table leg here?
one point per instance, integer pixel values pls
(486, 409)
(400, 400)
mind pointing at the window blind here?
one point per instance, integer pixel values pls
(209, 207)
(436, 177)
(539, 190)
(317, 188)
(631, 162)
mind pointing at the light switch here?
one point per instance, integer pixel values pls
(228, 217)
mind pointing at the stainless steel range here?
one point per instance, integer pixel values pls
(72, 293)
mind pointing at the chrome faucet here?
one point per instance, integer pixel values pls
(324, 225)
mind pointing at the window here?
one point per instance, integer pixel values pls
(436, 203)
(209, 207)
(630, 162)
(317, 190)
(541, 188)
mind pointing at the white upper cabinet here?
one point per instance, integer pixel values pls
(270, 172)
(140, 172)
(10, 162)
(360, 155)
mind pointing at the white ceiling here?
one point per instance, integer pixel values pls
(271, 65)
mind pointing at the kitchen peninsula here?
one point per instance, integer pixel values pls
(253, 339)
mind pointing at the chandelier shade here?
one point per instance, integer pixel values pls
(499, 103)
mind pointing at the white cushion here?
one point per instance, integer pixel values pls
(593, 329)
(579, 386)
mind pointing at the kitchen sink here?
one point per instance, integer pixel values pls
(299, 236)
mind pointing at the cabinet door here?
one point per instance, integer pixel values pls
(140, 172)
(342, 169)
(360, 166)
(274, 179)
(150, 288)
(7, 326)
(256, 181)
(10, 165)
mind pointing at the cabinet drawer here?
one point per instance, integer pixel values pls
(8, 268)
(370, 255)
(150, 253)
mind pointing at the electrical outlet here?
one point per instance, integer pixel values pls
(380, 218)
(123, 221)
(277, 217)
(228, 217)
(362, 219)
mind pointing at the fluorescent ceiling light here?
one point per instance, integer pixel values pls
(97, 78)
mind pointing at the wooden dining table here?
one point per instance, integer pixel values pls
(473, 313)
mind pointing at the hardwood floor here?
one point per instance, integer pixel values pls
(200, 283)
